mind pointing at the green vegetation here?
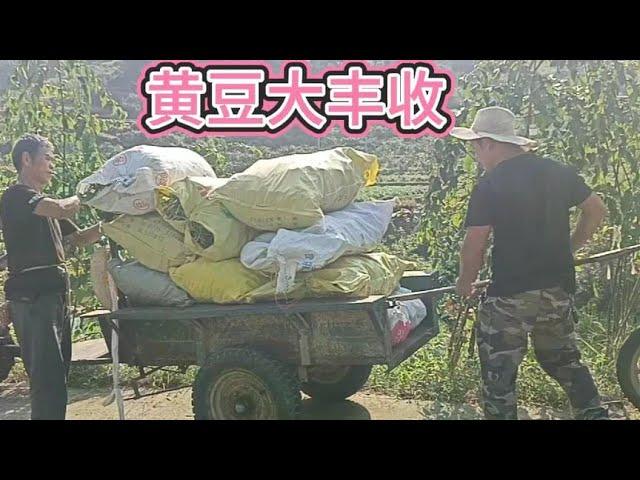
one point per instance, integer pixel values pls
(586, 114)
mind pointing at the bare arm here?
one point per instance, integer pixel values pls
(593, 212)
(472, 255)
(83, 238)
(60, 209)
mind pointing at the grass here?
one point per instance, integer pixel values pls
(387, 192)
(100, 376)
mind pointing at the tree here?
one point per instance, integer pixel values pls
(583, 113)
(66, 102)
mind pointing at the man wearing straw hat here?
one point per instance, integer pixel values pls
(525, 200)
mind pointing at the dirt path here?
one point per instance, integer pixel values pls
(176, 405)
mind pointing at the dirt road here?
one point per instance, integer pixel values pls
(176, 405)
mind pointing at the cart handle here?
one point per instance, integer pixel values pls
(598, 258)
(433, 292)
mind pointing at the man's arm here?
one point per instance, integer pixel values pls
(592, 213)
(472, 257)
(60, 209)
(83, 238)
(79, 239)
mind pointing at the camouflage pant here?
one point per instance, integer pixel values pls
(504, 324)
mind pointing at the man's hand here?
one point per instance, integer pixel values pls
(83, 238)
(472, 258)
(60, 209)
(465, 288)
(593, 211)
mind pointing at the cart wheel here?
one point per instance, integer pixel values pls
(628, 368)
(6, 361)
(332, 384)
(242, 384)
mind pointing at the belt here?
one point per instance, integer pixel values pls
(59, 266)
(62, 268)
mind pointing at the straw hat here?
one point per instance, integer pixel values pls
(496, 123)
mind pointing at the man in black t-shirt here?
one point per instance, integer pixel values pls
(37, 230)
(525, 201)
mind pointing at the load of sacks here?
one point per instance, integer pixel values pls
(286, 228)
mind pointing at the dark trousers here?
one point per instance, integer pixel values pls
(43, 328)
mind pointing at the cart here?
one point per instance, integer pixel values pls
(254, 360)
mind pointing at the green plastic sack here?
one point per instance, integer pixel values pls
(209, 228)
(293, 191)
(150, 240)
(231, 282)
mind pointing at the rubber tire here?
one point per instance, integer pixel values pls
(348, 385)
(280, 379)
(6, 361)
(625, 368)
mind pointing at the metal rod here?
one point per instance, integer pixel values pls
(433, 292)
(603, 257)
(158, 393)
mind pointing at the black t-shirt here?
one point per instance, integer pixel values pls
(527, 201)
(32, 241)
